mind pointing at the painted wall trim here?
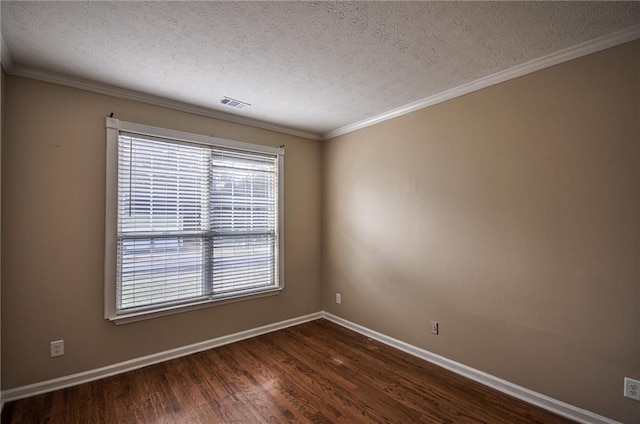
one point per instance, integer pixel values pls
(123, 93)
(565, 55)
(550, 404)
(133, 364)
(574, 52)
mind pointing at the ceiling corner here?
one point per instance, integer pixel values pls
(5, 58)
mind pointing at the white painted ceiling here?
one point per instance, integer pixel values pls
(310, 66)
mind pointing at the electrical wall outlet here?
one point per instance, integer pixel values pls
(632, 388)
(338, 298)
(434, 327)
(57, 348)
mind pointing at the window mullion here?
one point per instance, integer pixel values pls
(207, 281)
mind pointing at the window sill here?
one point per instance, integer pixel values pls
(178, 309)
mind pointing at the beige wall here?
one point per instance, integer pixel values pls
(510, 215)
(53, 201)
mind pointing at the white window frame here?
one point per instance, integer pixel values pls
(114, 127)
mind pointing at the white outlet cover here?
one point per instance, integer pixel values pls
(57, 348)
(632, 388)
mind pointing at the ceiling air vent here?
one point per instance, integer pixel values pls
(234, 103)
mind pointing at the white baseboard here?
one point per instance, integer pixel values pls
(569, 411)
(98, 373)
(550, 404)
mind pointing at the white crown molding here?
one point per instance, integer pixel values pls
(550, 404)
(123, 93)
(574, 52)
(133, 364)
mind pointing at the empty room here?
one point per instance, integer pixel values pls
(320, 212)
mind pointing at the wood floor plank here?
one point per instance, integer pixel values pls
(353, 397)
(317, 372)
(274, 380)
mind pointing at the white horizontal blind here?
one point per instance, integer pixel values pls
(194, 222)
(244, 220)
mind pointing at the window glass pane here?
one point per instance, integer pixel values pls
(159, 270)
(245, 262)
(162, 186)
(244, 193)
(194, 222)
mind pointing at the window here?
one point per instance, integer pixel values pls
(190, 220)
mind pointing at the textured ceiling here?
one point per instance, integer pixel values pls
(314, 66)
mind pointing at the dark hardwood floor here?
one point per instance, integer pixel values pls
(316, 372)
